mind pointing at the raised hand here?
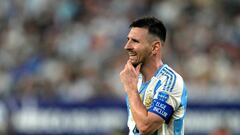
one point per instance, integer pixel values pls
(129, 76)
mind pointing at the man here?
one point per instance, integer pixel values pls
(156, 94)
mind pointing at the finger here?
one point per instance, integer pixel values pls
(138, 68)
(129, 62)
(126, 66)
(130, 66)
(134, 70)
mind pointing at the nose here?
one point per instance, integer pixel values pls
(128, 45)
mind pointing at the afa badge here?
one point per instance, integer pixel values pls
(148, 99)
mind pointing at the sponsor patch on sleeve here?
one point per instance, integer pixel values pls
(163, 96)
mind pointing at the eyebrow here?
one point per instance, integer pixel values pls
(133, 39)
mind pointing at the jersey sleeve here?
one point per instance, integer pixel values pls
(165, 102)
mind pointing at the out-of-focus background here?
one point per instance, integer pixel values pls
(60, 62)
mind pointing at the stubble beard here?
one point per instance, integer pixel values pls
(136, 63)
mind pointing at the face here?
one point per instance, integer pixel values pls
(138, 46)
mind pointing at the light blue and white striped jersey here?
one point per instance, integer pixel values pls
(165, 95)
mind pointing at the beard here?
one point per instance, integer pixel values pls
(135, 63)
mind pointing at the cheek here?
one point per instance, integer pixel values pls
(141, 57)
(144, 54)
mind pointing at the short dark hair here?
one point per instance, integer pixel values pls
(154, 26)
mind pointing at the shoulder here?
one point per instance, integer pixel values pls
(172, 87)
(172, 80)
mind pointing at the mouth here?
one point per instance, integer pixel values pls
(132, 55)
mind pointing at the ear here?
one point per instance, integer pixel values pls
(156, 47)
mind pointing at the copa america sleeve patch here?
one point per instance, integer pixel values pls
(161, 107)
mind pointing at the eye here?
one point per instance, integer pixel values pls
(135, 40)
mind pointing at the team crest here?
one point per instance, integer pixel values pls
(148, 99)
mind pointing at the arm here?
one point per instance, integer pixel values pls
(146, 122)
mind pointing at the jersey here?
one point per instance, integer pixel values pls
(165, 95)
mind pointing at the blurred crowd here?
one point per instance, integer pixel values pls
(72, 50)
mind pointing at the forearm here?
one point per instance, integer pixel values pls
(146, 122)
(139, 111)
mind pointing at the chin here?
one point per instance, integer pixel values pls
(135, 63)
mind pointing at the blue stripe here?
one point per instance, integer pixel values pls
(174, 78)
(159, 71)
(143, 88)
(127, 104)
(165, 85)
(157, 86)
(184, 97)
(171, 78)
(178, 125)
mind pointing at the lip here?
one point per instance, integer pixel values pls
(132, 57)
(132, 54)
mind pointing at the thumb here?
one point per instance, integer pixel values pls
(138, 68)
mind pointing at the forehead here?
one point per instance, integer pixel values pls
(136, 32)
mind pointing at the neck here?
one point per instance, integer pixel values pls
(148, 69)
